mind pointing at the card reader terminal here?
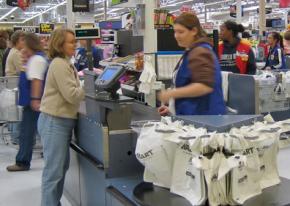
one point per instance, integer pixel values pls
(108, 82)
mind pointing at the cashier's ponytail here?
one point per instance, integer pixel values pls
(278, 38)
(234, 27)
(190, 21)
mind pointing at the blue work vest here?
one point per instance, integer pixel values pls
(81, 60)
(210, 104)
(273, 58)
(24, 85)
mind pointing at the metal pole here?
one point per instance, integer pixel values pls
(205, 14)
(70, 16)
(239, 11)
(262, 17)
(90, 54)
(105, 10)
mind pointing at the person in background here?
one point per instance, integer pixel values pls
(81, 59)
(286, 43)
(275, 58)
(3, 45)
(235, 54)
(13, 67)
(197, 77)
(129, 22)
(246, 35)
(31, 83)
(59, 107)
(7, 50)
(14, 63)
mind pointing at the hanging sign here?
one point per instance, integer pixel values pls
(207, 25)
(284, 3)
(81, 5)
(46, 28)
(233, 11)
(186, 9)
(31, 29)
(23, 4)
(115, 2)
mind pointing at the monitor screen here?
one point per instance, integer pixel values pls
(87, 33)
(109, 74)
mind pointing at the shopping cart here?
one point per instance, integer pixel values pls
(10, 112)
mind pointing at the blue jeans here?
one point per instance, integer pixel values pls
(55, 133)
(14, 128)
(28, 129)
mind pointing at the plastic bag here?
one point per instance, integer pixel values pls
(187, 181)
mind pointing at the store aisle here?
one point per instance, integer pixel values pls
(21, 188)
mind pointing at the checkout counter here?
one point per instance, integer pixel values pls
(103, 168)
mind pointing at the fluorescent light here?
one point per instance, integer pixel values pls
(40, 13)
(8, 13)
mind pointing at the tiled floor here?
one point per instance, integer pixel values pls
(23, 188)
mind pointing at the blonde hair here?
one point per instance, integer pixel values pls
(56, 42)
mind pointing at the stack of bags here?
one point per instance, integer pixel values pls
(225, 168)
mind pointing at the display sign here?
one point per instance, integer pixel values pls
(278, 23)
(81, 5)
(284, 3)
(46, 28)
(31, 29)
(13, 3)
(268, 10)
(110, 25)
(207, 25)
(186, 9)
(92, 33)
(115, 2)
(23, 4)
(233, 11)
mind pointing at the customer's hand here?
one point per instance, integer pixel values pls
(163, 110)
(164, 96)
(35, 105)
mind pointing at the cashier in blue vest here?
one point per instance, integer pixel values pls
(275, 59)
(197, 78)
(81, 60)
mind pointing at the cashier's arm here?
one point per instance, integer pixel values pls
(192, 90)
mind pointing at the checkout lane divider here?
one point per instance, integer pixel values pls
(88, 156)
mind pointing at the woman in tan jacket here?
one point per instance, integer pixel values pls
(59, 107)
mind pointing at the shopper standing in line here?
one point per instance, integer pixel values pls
(59, 107)
(235, 54)
(7, 50)
(3, 45)
(12, 68)
(275, 58)
(14, 64)
(197, 77)
(31, 84)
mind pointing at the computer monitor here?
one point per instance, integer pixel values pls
(109, 79)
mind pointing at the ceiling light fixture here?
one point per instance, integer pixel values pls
(8, 13)
(47, 10)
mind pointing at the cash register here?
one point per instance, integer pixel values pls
(108, 83)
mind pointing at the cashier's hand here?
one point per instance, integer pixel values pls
(35, 105)
(163, 111)
(164, 96)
